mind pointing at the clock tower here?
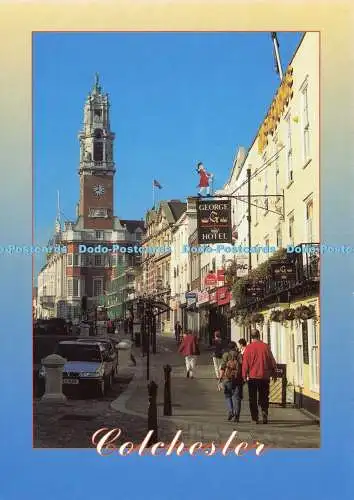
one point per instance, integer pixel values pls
(96, 162)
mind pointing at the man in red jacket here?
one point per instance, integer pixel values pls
(258, 366)
(190, 350)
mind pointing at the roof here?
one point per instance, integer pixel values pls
(133, 225)
(276, 91)
(177, 208)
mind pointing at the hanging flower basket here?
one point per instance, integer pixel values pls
(289, 314)
(257, 318)
(277, 316)
(304, 313)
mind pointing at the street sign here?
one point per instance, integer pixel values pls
(283, 270)
(241, 267)
(214, 221)
(255, 288)
(190, 295)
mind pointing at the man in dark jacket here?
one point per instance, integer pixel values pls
(231, 379)
(258, 366)
(178, 331)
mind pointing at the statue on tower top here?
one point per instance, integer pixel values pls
(97, 88)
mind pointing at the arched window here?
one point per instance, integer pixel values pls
(98, 134)
(98, 151)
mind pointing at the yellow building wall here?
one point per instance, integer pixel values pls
(289, 330)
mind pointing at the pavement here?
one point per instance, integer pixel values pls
(199, 409)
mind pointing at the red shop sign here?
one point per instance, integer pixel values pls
(210, 279)
(212, 298)
(223, 295)
(220, 275)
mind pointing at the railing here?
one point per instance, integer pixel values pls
(307, 274)
(47, 299)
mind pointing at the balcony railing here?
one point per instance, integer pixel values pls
(48, 300)
(307, 276)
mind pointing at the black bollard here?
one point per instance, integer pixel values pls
(167, 404)
(152, 412)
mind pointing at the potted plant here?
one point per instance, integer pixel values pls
(257, 318)
(276, 315)
(289, 314)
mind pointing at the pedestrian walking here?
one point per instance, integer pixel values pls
(218, 349)
(189, 348)
(258, 366)
(231, 381)
(178, 331)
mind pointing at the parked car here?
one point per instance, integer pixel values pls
(109, 345)
(89, 365)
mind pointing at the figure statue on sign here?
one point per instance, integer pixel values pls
(204, 180)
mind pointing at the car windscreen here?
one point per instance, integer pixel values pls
(79, 352)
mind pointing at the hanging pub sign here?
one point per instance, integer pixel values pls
(283, 270)
(214, 221)
(220, 273)
(255, 288)
(210, 279)
(223, 296)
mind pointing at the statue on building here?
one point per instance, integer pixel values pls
(204, 180)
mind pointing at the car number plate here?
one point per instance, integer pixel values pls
(70, 381)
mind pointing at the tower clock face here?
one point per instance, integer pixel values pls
(98, 190)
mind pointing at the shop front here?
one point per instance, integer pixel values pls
(203, 309)
(223, 297)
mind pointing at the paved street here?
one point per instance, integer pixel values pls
(199, 409)
(72, 424)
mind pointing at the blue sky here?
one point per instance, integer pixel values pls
(176, 99)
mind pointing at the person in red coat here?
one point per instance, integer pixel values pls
(190, 350)
(204, 180)
(258, 366)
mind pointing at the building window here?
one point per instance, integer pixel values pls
(266, 192)
(98, 260)
(314, 355)
(292, 348)
(76, 259)
(84, 260)
(138, 236)
(98, 151)
(73, 287)
(305, 124)
(299, 358)
(98, 212)
(99, 235)
(291, 229)
(279, 238)
(289, 152)
(305, 342)
(309, 218)
(213, 265)
(97, 287)
(70, 259)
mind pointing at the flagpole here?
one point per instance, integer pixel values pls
(276, 48)
(153, 194)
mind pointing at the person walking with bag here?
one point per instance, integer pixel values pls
(258, 366)
(231, 380)
(190, 350)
